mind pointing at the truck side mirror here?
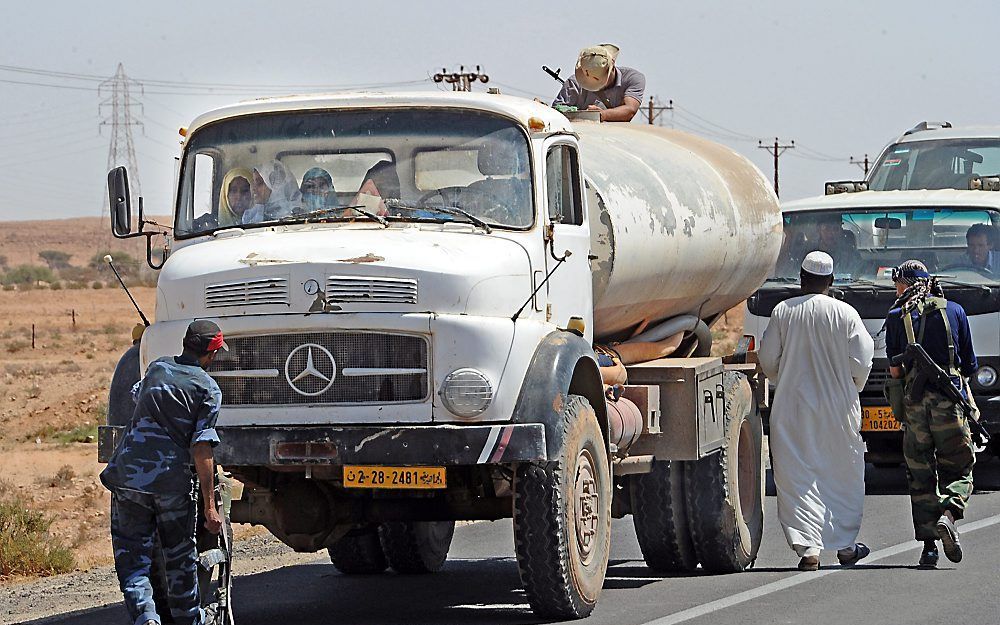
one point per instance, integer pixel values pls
(121, 202)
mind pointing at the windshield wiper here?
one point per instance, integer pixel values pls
(447, 210)
(970, 285)
(325, 211)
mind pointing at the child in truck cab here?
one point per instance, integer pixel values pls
(275, 194)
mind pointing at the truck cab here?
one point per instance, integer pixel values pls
(870, 232)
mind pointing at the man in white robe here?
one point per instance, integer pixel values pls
(819, 354)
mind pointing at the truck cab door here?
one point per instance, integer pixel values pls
(569, 292)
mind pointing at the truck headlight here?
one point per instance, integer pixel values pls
(986, 376)
(466, 392)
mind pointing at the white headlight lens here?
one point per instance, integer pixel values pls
(466, 392)
(986, 376)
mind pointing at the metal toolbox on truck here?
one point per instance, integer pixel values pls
(692, 408)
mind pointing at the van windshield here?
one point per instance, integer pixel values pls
(939, 164)
(395, 165)
(955, 243)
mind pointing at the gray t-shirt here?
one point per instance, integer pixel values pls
(628, 82)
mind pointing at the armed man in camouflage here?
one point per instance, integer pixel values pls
(152, 484)
(937, 443)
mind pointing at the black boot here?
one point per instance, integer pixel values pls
(929, 556)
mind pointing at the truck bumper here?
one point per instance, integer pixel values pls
(439, 445)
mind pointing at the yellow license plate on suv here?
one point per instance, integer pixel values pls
(878, 419)
(376, 476)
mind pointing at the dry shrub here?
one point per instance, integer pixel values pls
(26, 548)
(17, 345)
(63, 477)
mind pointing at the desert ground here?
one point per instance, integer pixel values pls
(54, 394)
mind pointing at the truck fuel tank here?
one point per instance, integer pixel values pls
(679, 225)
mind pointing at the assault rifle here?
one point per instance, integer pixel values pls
(929, 372)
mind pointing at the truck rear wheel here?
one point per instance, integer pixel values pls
(416, 547)
(723, 490)
(562, 519)
(359, 552)
(659, 514)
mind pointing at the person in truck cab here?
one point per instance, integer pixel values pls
(275, 194)
(317, 190)
(235, 197)
(981, 253)
(599, 85)
(380, 182)
(937, 442)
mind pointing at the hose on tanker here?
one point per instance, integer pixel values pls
(681, 323)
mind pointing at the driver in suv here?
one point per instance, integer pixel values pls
(981, 253)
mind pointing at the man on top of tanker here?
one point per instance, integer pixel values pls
(600, 85)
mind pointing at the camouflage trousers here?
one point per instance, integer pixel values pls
(939, 457)
(136, 518)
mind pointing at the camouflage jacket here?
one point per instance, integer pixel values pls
(177, 405)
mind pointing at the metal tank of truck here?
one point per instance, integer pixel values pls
(428, 355)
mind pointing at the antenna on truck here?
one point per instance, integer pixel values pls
(109, 261)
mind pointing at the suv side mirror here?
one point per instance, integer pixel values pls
(121, 202)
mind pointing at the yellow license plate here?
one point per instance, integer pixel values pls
(376, 476)
(878, 419)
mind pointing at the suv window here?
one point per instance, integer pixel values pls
(935, 164)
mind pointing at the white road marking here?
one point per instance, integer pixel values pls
(801, 578)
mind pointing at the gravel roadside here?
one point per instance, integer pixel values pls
(86, 590)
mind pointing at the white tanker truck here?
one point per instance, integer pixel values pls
(428, 355)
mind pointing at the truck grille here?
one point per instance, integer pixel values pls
(247, 293)
(322, 368)
(876, 382)
(371, 289)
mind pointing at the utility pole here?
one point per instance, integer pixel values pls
(776, 150)
(461, 80)
(863, 163)
(117, 106)
(653, 111)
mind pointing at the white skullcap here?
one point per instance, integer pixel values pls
(818, 264)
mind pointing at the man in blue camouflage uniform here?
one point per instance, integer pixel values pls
(937, 443)
(152, 484)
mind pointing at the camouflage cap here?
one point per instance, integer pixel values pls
(594, 65)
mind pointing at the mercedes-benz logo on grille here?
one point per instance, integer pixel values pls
(310, 369)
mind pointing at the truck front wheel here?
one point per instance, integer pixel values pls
(562, 519)
(725, 509)
(416, 547)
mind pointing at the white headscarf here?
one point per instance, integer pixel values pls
(285, 196)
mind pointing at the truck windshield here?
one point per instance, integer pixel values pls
(958, 244)
(940, 164)
(270, 169)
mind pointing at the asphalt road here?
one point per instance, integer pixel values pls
(479, 584)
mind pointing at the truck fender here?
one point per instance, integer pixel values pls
(564, 364)
(127, 373)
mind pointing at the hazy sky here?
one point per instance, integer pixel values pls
(840, 78)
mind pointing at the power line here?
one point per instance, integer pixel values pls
(776, 151)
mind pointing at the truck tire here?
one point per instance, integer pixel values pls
(416, 547)
(562, 519)
(359, 552)
(659, 513)
(723, 490)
